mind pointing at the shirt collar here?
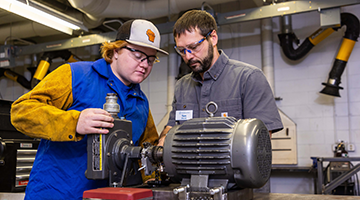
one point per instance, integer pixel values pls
(99, 66)
(215, 70)
(104, 69)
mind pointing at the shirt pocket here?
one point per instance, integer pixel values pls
(187, 106)
(230, 108)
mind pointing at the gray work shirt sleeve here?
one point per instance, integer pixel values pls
(258, 101)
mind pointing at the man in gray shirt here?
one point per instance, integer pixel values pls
(240, 90)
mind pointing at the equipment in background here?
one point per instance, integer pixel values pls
(15, 77)
(41, 69)
(340, 150)
(337, 168)
(16, 160)
(211, 158)
(287, 38)
(45, 62)
(17, 153)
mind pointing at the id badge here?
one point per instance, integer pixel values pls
(183, 115)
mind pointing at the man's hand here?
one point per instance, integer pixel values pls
(94, 121)
(163, 135)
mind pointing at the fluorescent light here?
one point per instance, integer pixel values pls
(37, 15)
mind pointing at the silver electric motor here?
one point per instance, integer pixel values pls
(227, 152)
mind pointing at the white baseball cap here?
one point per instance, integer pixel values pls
(140, 32)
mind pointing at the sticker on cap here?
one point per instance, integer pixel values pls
(151, 35)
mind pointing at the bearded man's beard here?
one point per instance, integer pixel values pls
(205, 64)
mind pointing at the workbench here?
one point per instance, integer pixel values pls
(278, 196)
(326, 189)
(257, 196)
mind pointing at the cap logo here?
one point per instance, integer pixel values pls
(151, 35)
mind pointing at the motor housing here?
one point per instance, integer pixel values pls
(221, 148)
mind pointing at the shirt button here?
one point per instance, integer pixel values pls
(134, 93)
(215, 76)
(70, 137)
(111, 84)
(203, 109)
(184, 106)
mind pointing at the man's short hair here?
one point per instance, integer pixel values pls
(193, 19)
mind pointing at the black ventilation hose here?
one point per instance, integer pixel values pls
(15, 77)
(332, 86)
(352, 26)
(286, 43)
(287, 39)
(64, 54)
(351, 35)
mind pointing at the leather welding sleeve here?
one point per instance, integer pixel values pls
(42, 112)
(150, 134)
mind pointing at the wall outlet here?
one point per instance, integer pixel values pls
(350, 147)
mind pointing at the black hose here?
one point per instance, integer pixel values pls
(287, 39)
(286, 43)
(351, 35)
(352, 26)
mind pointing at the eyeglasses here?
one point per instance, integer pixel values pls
(141, 56)
(191, 48)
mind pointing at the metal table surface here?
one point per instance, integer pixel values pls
(165, 193)
(12, 195)
(282, 196)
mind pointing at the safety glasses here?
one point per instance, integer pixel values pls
(191, 48)
(140, 56)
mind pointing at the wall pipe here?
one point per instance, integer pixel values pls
(267, 52)
(172, 71)
(173, 63)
